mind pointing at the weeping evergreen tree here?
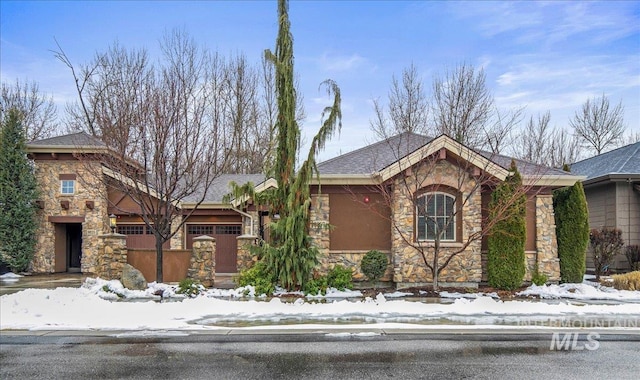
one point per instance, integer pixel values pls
(506, 258)
(18, 193)
(291, 255)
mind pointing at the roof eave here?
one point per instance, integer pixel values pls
(66, 149)
(612, 177)
(551, 180)
(345, 179)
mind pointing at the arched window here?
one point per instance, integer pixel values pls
(436, 214)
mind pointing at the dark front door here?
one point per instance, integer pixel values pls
(74, 246)
(68, 247)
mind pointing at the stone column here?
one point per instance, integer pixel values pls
(546, 243)
(113, 256)
(244, 258)
(177, 241)
(202, 266)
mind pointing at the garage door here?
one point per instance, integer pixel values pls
(140, 236)
(226, 243)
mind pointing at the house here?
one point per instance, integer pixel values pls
(76, 201)
(389, 196)
(612, 188)
(371, 198)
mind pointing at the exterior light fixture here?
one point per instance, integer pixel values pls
(113, 222)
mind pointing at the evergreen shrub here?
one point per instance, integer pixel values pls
(572, 231)
(373, 265)
(506, 258)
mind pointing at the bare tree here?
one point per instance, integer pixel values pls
(114, 92)
(407, 108)
(533, 143)
(498, 133)
(631, 138)
(565, 148)
(440, 188)
(164, 147)
(38, 112)
(598, 125)
(462, 104)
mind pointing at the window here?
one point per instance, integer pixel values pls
(67, 186)
(436, 213)
(131, 229)
(197, 229)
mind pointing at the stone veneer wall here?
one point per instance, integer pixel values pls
(409, 268)
(89, 187)
(244, 258)
(177, 241)
(546, 243)
(202, 266)
(112, 256)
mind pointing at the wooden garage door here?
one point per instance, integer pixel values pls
(140, 236)
(226, 243)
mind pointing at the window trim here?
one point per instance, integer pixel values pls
(457, 217)
(63, 187)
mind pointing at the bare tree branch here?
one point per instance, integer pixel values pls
(600, 127)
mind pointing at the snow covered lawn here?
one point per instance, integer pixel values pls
(95, 305)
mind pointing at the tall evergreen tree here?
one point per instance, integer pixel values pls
(572, 231)
(506, 259)
(18, 193)
(291, 255)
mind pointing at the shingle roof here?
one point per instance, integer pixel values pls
(220, 186)
(80, 139)
(377, 156)
(374, 157)
(624, 160)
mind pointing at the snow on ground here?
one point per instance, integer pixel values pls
(467, 295)
(96, 305)
(10, 277)
(585, 291)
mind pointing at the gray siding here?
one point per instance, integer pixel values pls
(615, 204)
(601, 201)
(628, 213)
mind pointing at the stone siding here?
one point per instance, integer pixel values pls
(546, 243)
(244, 258)
(202, 266)
(112, 256)
(177, 240)
(90, 191)
(408, 262)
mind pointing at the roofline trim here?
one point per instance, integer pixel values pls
(450, 145)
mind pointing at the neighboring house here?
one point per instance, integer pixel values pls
(612, 187)
(358, 204)
(76, 201)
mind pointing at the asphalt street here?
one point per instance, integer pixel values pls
(315, 356)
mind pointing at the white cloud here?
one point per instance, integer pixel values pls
(334, 63)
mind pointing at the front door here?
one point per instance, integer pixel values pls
(68, 247)
(74, 246)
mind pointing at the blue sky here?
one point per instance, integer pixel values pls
(542, 55)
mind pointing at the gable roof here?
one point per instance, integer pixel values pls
(623, 162)
(389, 157)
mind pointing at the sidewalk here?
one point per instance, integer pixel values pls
(42, 281)
(72, 280)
